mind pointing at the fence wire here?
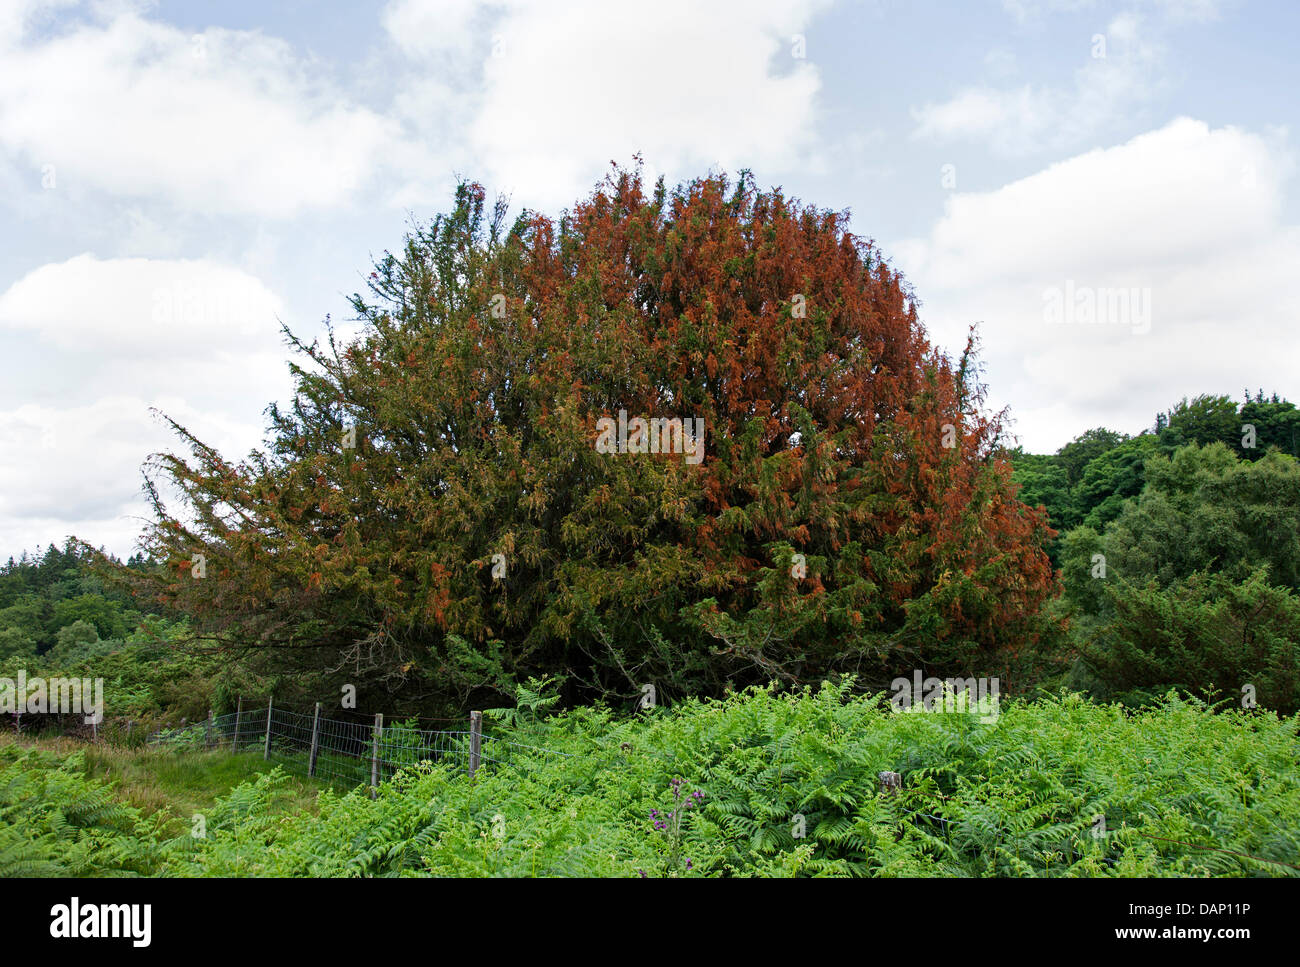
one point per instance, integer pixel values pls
(348, 752)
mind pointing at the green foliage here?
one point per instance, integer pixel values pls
(1276, 423)
(16, 643)
(42, 597)
(1204, 510)
(1214, 636)
(54, 821)
(1182, 790)
(1043, 481)
(1075, 456)
(1205, 420)
(400, 744)
(104, 616)
(1082, 577)
(73, 641)
(1089, 480)
(1086, 482)
(787, 785)
(1109, 480)
(536, 695)
(1192, 584)
(153, 678)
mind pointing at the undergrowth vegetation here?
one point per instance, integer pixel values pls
(56, 821)
(758, 784)
(70, 809)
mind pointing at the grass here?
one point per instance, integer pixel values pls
(179, 785)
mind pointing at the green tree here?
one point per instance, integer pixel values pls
(1110, 479)
(16, 643)
(1044, 482)
(105, 615)
(1075, 456)
(1205, 510)
(1276, 423)
(1206, 419)
(1192, 584)
(73, 641)
(1083, 568)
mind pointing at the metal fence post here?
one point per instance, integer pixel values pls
(207, 731)
(475, 741)
(374, 756)
(315, 742)
(239, 714)
(266, 753)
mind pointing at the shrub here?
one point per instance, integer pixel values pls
(1218, 638)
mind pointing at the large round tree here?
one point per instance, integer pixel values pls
(452, 502)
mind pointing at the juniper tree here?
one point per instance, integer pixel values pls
(432, 515)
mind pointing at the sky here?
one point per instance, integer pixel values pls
(1106, 189)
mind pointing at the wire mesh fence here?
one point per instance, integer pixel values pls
(346, 752)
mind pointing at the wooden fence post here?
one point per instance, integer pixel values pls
(266, 753)
(315, 742)
(374, 756)
(890, 783)
(239, 714)
(207, 731)
(475, 741)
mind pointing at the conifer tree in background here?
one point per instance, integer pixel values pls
(433, 519)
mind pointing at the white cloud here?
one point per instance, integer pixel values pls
(142, 307)
(19, 17)
(536, 98)
(424, 29)
(200, 332)
(223, 121)
(99, 343)
(1188, 215)
(984, 112)
(1034, 117)
(566, 89)
(77, 469)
